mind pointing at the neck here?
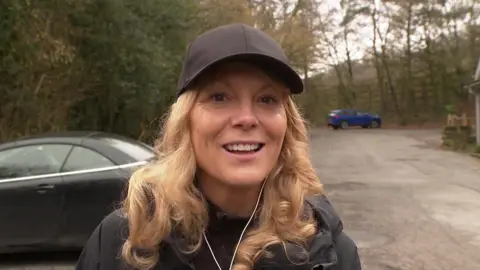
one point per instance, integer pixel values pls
(233, 200)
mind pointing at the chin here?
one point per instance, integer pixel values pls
(245, 179)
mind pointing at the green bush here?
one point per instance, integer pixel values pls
(477, 149)
(450, 109)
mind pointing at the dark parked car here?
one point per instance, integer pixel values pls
(56, 188)
(344, 118)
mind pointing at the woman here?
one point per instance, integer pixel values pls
(233, 186)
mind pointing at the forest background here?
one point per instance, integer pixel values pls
(112, 65)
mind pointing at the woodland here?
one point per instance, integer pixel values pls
(112, 65)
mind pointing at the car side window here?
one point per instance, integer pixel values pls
(83, 158)
(32, 160)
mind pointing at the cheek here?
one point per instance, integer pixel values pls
(203, 131)
(196, 132)
(199, 134)
(276, 126)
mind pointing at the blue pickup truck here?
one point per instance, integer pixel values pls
(344, 118)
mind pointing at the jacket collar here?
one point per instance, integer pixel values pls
(321, 252)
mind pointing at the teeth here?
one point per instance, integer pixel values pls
(242, 147)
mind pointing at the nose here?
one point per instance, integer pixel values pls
(245, 116)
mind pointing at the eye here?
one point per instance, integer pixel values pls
(268, 100)
(218, 97)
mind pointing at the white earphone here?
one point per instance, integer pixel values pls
(241, 235)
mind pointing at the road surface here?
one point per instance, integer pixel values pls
(407, 204)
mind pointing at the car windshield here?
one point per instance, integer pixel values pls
(334, 112)
(136, 149)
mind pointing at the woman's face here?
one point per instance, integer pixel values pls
(238, 124)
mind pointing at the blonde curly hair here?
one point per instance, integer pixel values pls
(166, 189)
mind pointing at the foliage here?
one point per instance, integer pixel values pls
(450, 109)
(90, 64)
(113, 64)
(420, 55)
(477, 149)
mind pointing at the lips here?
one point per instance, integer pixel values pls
(243, 147)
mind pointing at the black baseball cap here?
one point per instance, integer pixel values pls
(237, 42)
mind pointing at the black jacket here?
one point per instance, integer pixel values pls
(331, 249)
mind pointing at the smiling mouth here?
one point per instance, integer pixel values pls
(239, 148)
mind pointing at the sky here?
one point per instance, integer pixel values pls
(363, 37)
(359, 42)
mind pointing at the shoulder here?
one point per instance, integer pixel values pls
(103, 248)
(329, 220)
(324, 213)
(347, 253)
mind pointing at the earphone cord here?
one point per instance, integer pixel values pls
(241, 235)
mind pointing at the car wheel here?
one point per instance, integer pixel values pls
(374, 124)
(344, 125)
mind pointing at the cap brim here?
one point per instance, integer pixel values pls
(272, 66)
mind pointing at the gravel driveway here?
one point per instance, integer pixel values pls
(407, 204)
